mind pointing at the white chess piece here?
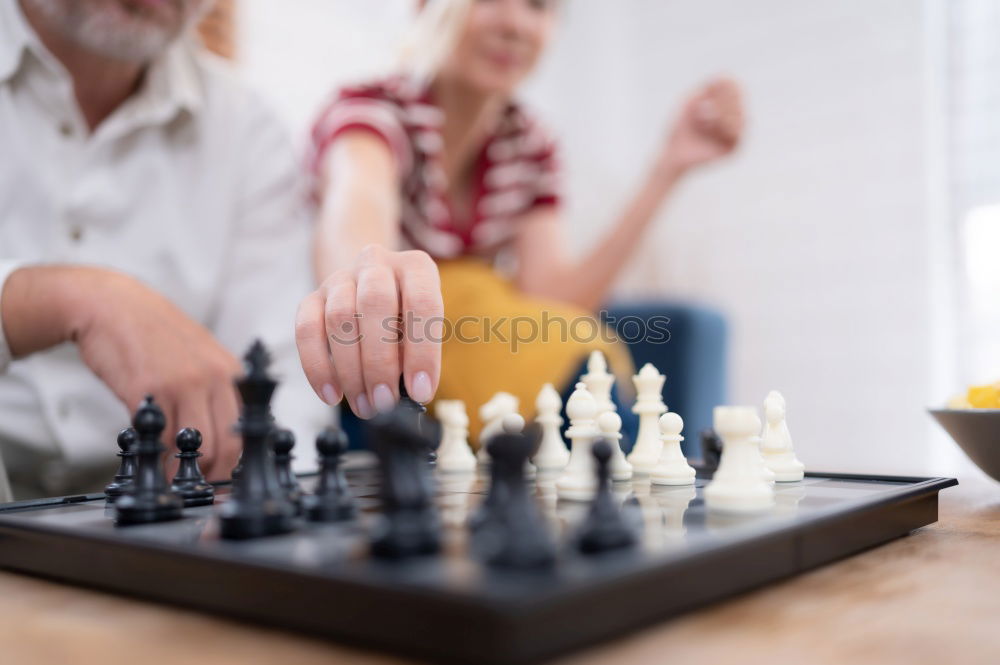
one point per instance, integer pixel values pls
(454, 453)
(777, 448)
(599, 381)
(552, 453)
(578, 482)
(492, 414)
(649, 406)
(672, 469)
(738, 486)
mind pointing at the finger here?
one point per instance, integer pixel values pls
(423, 317)
(342, 336)
(193, 410)
(314, 349)
(378, 308)
(228, 445)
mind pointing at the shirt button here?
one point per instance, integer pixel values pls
(76, 234)
(66, 129)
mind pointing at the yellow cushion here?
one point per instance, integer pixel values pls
(497, 339)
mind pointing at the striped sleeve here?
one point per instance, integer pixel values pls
(370, 109)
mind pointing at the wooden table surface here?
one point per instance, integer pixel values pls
(932, 597)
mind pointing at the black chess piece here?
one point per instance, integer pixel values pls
(409, 524)
(189, 483)
(605, 528)
(711, 449)
(126, 469)
(332, 501)
(488, 513)
(282, 442)
(258, 505)
(514, 535)
(418, 412)
(148, 498)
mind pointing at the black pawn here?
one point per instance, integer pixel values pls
(409, 524)
(605, 527)
(126, 470)
(148, 498)
(257, 505)
(331, 502)
(515, 536)
(282, 442)
(189, 482)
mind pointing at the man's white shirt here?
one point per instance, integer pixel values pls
(190, 186)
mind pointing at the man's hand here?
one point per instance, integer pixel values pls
(710, 126)
(137, 342)
(364, 326)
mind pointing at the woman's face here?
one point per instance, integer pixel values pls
(500, 43)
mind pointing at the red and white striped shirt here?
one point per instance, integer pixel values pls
(515, 171)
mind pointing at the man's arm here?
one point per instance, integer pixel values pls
(134, 340)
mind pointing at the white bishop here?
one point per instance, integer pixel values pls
(599, 382)
(578, 482)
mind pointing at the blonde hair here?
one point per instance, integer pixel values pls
(433, 36)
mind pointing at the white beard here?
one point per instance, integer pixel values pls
(116, 34)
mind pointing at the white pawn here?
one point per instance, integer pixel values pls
(492, 414)
(454, 453)
(577, 482)
(599, 381)
(649, 406)
(552, 453)
(777, 448)
(738, 485)
(672, 469)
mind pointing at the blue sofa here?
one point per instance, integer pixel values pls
(694, 358)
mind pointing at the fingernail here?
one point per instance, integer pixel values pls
(363, 407)
(330, 394)
(384, 400)
(421, 389)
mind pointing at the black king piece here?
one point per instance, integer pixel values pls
(258, 505)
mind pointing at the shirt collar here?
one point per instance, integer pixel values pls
(15, 38)
(171, 84)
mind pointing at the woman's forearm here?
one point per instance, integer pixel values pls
(360, 204)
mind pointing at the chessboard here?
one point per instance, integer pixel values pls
(451, 605)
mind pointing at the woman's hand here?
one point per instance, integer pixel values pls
(365, 325)
(709, 127)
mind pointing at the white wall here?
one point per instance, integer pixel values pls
(816, 239)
